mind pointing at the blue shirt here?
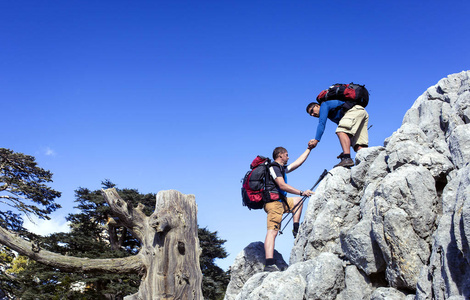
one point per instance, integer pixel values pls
(325, 109)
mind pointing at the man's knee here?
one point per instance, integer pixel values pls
(297, 200)
(344, 137)
(358, 147)
(342, 133)
(271, 234)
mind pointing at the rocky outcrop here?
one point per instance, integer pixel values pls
(247, 263)
(396, 225)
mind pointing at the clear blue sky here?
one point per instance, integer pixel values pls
(158, 95)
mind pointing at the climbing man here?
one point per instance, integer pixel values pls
(278, 188)
(351, 130)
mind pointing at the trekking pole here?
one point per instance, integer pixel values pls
(298, 205)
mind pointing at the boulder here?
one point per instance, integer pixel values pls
(394, 226)
(248, 263)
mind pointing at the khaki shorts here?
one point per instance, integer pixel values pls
(355, 123)
(275, 210)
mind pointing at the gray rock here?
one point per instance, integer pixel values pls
(334, 207)
(395, 226)
(290, 284)
(249, 262)
(409, 145)
(457, 298)
(357, 285)
(378, 169)
(459, 144)
(320, 278)
(383, 293)
(326, 278)
(412, 189)
(361, 249)
(449, 269)
(364, 159)
(424, 285)
(408, 252)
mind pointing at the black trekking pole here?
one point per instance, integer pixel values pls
(298, 205)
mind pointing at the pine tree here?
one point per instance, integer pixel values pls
(215, 280)
(24, 188)
(94, 234)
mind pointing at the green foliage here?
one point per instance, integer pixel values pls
(215, 280)
(6, 256)
(96, 234)
(33, 281)
(18, 265)
(7, 282)
(23, 186)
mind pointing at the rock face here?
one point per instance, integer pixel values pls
(396, 225)
(247, 263)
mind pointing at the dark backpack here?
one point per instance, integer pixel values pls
(254, 193)
(351, 93)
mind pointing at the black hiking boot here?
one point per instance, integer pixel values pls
(345, 162)
(295, 229)
(271, 268)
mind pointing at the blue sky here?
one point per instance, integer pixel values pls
(158, 95)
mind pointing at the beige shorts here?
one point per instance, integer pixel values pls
(275, 210)
(355, 123)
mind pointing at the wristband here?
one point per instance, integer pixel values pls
(301, 192)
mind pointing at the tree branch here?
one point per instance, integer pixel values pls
(131, 264)
(131, 218)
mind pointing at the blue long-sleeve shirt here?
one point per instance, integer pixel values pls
(325, 109)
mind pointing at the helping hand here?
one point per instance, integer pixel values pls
(308, 193)
(312, 144)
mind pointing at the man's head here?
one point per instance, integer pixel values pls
(313, 109)
(280, 153)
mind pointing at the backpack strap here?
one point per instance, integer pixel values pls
(343, 108)
(282, 197)
(267, 176)
(284, 200)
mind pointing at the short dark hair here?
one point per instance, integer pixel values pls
(310, 105)
(278, 151)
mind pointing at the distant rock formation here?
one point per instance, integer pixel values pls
(248, 263)
(395, 226)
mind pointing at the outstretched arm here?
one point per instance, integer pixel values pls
(299, 161)
(290, 189)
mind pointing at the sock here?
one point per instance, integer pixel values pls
(346, 156)
(296, 227)
(269, 261)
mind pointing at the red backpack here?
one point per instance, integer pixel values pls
(351, 93)
(254, 193)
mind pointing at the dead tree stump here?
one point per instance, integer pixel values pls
(170, 245)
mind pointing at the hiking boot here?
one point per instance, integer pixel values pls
(345, 162)
(340, 156)
(294, 232)
(271, 268)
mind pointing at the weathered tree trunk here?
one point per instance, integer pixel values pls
(168, 259)
(170, 245)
